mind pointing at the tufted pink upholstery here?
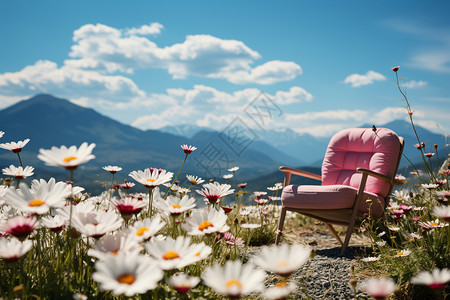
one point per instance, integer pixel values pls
(348, 150)
(360, 148)
(344, 191)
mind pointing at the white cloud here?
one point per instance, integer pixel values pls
(268, 73)
(343, 115)
(294, 95)
(326, 130)
(370, 77)
(207, 106)
(106, 49)
(390, 114)
(433, 60)
(152, 29)
(413, 84)
(46, 77)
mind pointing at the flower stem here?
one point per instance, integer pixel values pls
(170, 188)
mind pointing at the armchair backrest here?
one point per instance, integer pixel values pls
(355, 148)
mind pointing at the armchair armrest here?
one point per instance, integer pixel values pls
(301, 173)
(375, 174)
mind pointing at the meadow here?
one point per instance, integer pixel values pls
(57, 241)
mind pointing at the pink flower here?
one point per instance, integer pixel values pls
(429, 154)
(242, 185)
(19, 226)
(419, 146)
(395, 69)
(379, 288)
(188, 149)
(15, 147)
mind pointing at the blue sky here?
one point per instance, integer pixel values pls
(326, 64)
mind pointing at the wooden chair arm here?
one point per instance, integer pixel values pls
(301, 173)
(375, 174)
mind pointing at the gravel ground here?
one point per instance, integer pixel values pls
(327, 276)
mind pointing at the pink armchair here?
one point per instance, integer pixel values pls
(358, 165)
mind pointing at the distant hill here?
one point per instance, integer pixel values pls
(49, 121)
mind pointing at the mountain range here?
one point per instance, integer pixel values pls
(49, 121)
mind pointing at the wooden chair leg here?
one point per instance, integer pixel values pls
(348, 235)
(280, 225)
(334, 233)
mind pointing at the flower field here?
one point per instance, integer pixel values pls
(59, 242)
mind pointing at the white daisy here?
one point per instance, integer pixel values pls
(442, 212)
(227, 176)
(38, 202)
(279, 291)
(174, 205)
(437, 279)
(234, 279)
(151, 178)
(213, 192)
(147, 228)
(182, 283)
(114, 244)
(370, 259)
(194, 179)
(96, 224)
(233, 169)
(379, 288)
(404, 252)
(13, 146)
(69, 158)
(112, 169)
(55, 223)
(205, 221)
(12, 249)
(127, 274)
(176, 254)
(282, 259)
(18, 172)
(1, 134)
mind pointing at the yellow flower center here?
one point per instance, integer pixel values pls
(400, 253)
(36, 203)
(141, 231)
(175, 206)
(194, 182)
(115, 252)
(235, 282)
(126, 278)
(170, 255)
(151, 180)
(282, 264)
(197, 254)
(280, 284)
(69, 158)
(434, 224)
(205, 225)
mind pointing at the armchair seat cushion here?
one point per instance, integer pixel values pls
(329, 197)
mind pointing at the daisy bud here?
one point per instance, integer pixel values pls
(395, 69)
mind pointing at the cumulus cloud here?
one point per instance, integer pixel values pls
(268, 73)
(209, 107)
(106, 49)
(413, 84)
(152, 29)
(390, 114)
(325, 130)
(294, 95)
(340, 114)
(370, 77)
(46, 77)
